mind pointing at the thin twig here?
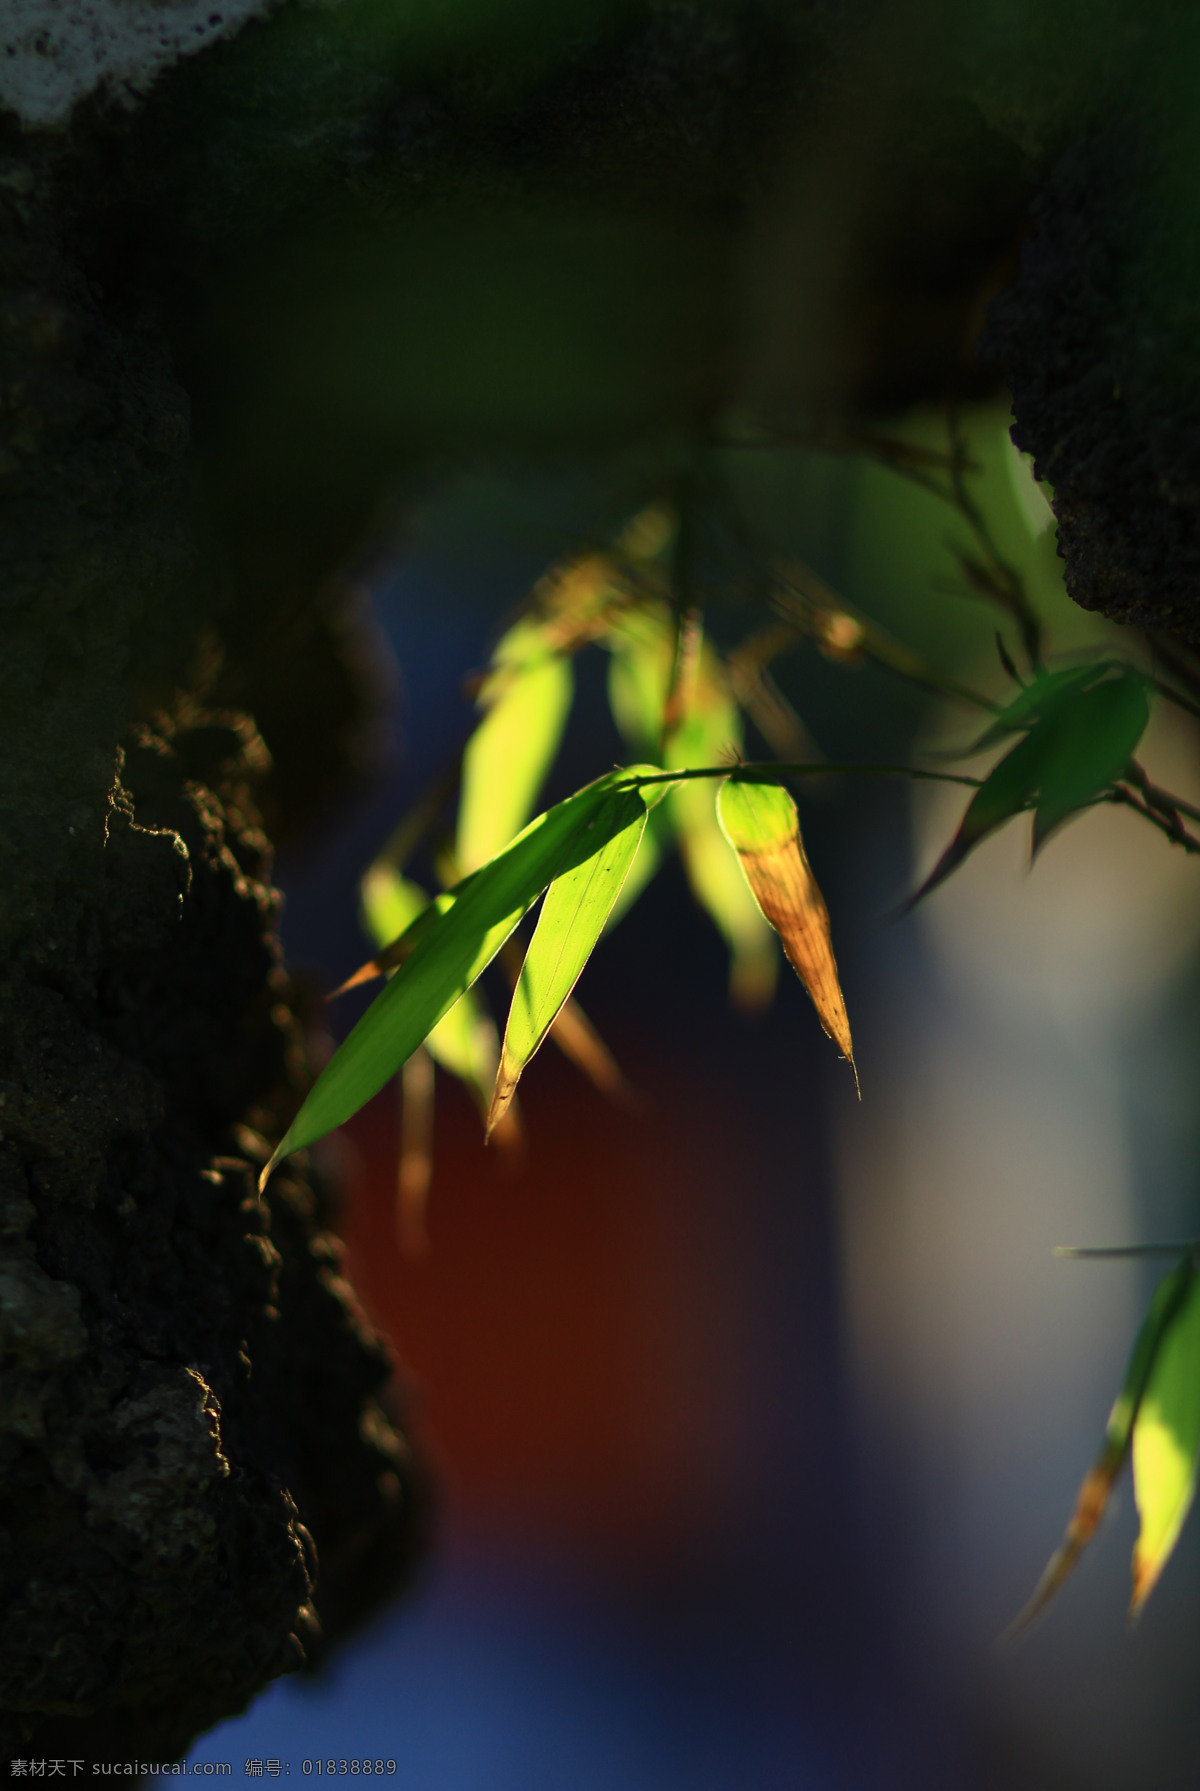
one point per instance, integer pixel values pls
(1178, 835)
(1011, 590)
(1086, 1252)
(1171, 694)
(768, 771)
(1163, 800)
(814, 603)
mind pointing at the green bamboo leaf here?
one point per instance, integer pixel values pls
(1098, 1482)
(657, 841)
(1093, 736)
(1166, 1438)
(761, 823)
(1039, 699)
(452, 954)
(1008, 788)
(576, 907)
(642, 646)
(526, 698)
(710, 731)
(405, 942)
(639, 674)
(465, 1042)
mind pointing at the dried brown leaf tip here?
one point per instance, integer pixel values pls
(1090, 1507)
(1169, 1336)
(761, 824)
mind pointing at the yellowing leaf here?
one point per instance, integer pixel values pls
(721, 889)
(573, 914)
(1098, 1482)
(761, 824)
(1166, 1437)
(510, 752)
(642, 643)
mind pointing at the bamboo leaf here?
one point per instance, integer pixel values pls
(639, 674)
(1036, 701)
(1098, 1482)
(762, 825)
(527, 698)
(1007, 790)
(722, 891)
(639, 680)
(405, 942)
(465, 1043)
(657, 841)
(1092, 738)
(451, 955)
(1166, 1437)
(576, 907)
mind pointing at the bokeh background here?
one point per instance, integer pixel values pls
(756, 1411)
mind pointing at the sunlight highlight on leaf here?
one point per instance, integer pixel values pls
(761, 823)
(466, 1042)
(1166, 1437)
(573, 914)
(722, 891)
(513, 747)
(451, 955)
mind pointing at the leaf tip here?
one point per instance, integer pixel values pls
(276, 1157)
(502, 1097)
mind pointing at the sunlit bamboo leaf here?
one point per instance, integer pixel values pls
(657, 841)
(1092, 739)
(1098, 1481)
(711, 730)
(526, 698)
(722, 891)
(761, 824)
(573, 914)
(1166, 1437)
(451, 955)
(404, 943)
(639, 674)
(466, 1042)
(639, 679)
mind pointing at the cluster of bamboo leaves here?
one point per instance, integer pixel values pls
(1065, 739)
(587, 858)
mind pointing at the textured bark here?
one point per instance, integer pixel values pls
(199, 1474)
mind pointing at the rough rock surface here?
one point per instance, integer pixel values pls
(1089, 337)
(188, 1393)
